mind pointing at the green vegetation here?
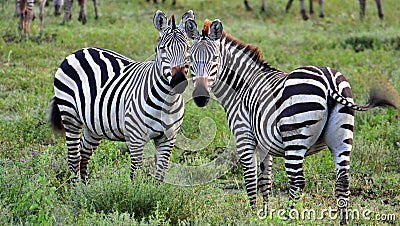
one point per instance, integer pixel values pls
(34, 176)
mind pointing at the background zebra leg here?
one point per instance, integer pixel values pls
(41, 13)
(362, 8)
(82, 12)
(321, 8)
(68, 12)
(294, 169)
(264, 179)
(311, 7)
(379, 6)
(164, 148)
(246, 4)
(303, 10)
(89, 143)
(96, 11)
(288, 5)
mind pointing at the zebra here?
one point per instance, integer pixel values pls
(303, 8)
(24, 10)
(114, 97)
(155, 1)
(82, 12)
(290, 115)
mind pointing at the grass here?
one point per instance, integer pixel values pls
(34, 177)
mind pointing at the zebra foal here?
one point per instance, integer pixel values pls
(113, 97)
(290, 115)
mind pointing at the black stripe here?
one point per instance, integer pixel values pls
(347, 126)
(300, 108)
(294, 126)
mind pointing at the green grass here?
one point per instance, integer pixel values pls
(34, 177)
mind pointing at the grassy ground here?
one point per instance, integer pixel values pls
(34, 187)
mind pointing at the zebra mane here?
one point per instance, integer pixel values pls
(251, 51)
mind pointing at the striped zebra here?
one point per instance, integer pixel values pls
(114, 97)
(291, 115)
(303, 8)
(24, 10)
(82, 12)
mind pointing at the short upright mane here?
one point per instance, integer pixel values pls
(252, 51)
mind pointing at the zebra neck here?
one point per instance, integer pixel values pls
(241, 72)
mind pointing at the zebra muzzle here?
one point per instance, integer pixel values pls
(178, 81)
(200, 95)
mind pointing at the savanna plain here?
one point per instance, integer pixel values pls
(35, 185)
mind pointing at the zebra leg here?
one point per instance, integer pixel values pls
(263, 6)
(89, 143)
(68, 12)
(136, 154)
(82, 12)
(72, 136)
(41, 13)
(303, 10)
(96, 11)
(321, 8)
(362, 8)
(380, 11)
(264, 178)
(311, 7)
(339, 139)
(246, 149)
(288, 5)
(164, 148)
(246, 3)
(294, 156)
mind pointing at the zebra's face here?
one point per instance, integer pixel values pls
(204, 58)
(173, 50)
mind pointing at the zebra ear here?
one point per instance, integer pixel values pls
(191, 29)
(216, 30)
(188, 15)
(160, 21)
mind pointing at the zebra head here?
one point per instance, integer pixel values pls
(173, 49)
(205, 58)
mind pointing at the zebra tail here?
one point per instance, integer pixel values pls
(377, 98)
(54, 116)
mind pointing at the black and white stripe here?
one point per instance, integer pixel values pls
(290, 115)
(113, 97)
